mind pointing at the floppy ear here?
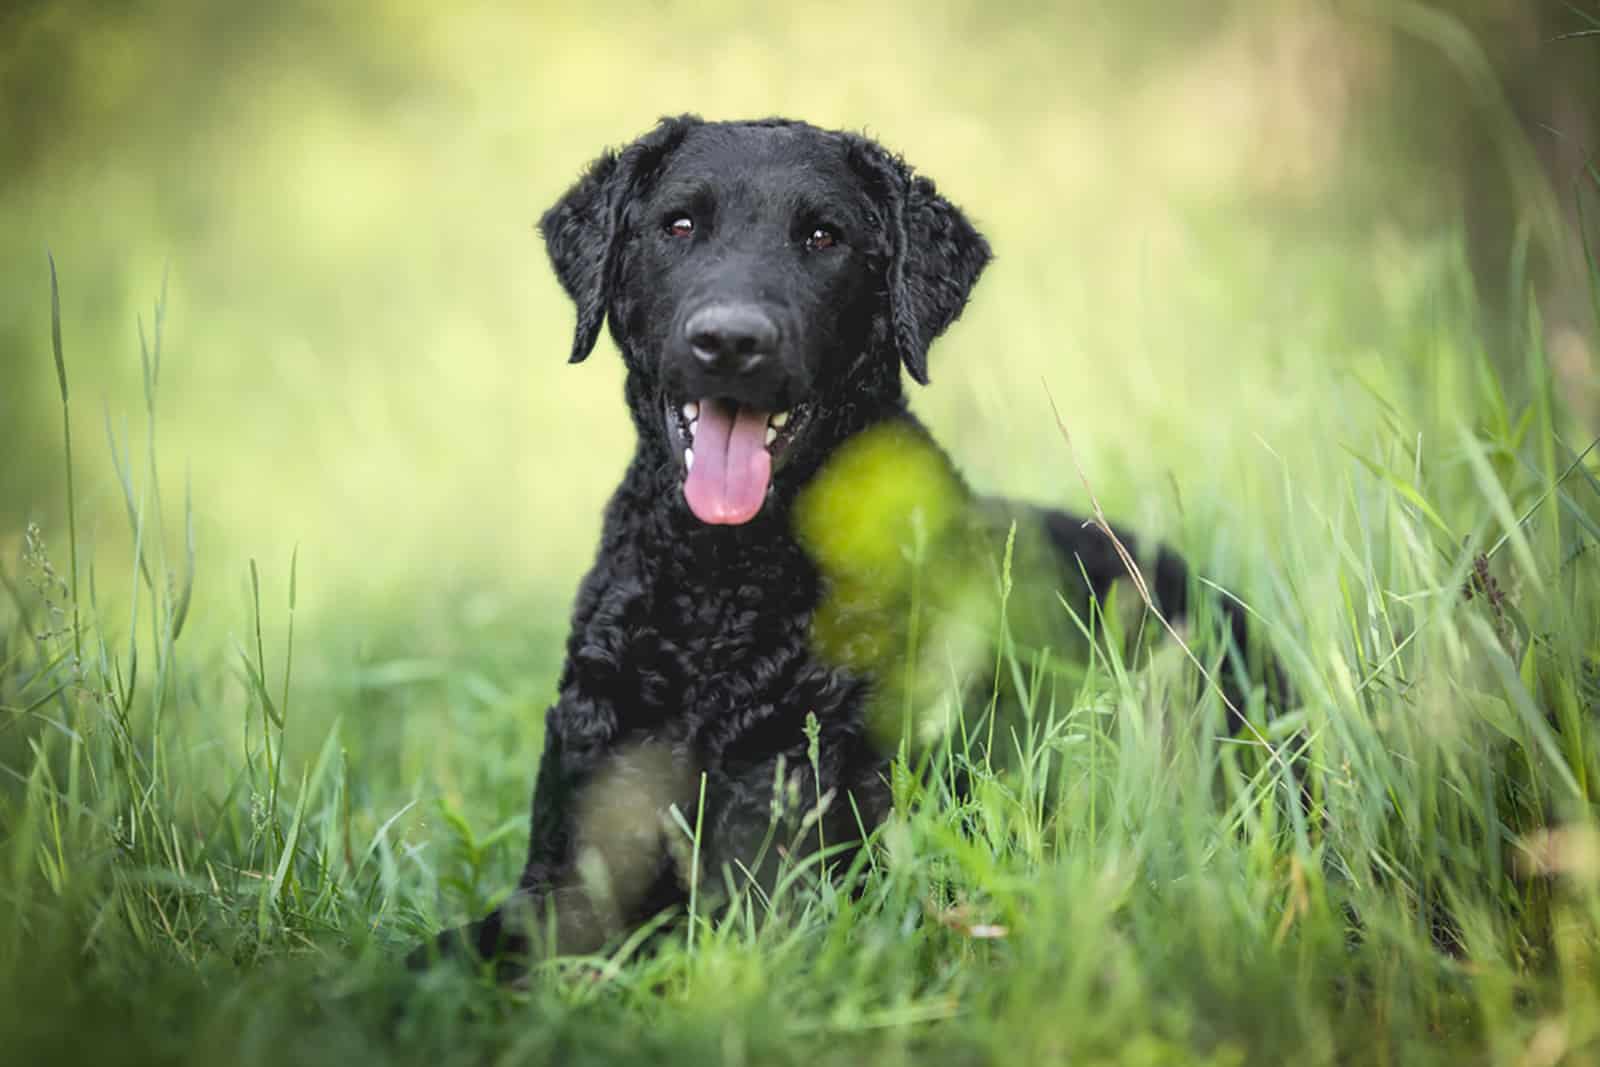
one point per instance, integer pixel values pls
(936, 255)
(584, 229)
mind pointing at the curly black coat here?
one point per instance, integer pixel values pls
(765, 282)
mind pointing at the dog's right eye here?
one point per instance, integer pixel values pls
(680, 226)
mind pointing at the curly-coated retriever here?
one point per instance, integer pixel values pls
(747, 610)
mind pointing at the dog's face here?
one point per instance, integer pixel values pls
(755, 276)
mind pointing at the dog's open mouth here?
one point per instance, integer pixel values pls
(729, 450)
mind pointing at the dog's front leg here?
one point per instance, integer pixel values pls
(597, 859)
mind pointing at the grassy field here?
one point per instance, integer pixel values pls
(278, 629)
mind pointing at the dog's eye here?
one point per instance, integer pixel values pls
(680, 226)
(821, 238)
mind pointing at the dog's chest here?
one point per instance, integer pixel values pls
(747, 639)
(721, 661)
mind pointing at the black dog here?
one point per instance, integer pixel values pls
(765, 282)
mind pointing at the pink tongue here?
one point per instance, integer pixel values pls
(731, 468)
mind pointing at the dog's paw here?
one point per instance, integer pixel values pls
(489, 941)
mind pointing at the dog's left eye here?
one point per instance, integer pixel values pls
(821, 238)
(680, 226)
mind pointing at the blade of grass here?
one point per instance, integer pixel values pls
(66, 437)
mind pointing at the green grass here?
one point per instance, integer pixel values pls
(265, 726)
(208, 856)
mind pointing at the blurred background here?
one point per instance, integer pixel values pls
(1205, 216)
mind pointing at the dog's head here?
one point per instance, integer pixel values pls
(759, 278)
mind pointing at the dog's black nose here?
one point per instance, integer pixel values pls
(731, 338)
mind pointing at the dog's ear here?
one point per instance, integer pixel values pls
(935, 254)
(584, 229)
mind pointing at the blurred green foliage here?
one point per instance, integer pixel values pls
(366, 343)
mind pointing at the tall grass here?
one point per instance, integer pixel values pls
(1134, 886)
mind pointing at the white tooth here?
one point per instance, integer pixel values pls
(780, 420)
(691, 411)
(688, 458)
(772, 435)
